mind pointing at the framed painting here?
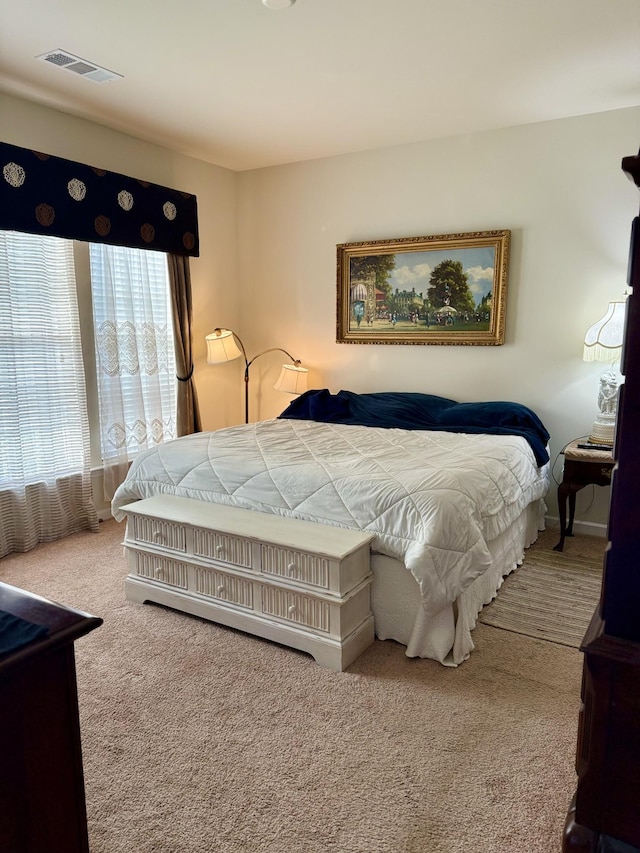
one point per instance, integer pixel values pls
(445, 289)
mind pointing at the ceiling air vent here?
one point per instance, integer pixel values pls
(69, 62)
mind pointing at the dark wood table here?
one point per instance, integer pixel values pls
(42, 800)
(582, 467)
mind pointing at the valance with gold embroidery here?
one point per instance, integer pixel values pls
(43, 194)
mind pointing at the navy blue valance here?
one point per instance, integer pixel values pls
(42, 194)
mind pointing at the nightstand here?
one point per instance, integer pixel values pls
(582, 467)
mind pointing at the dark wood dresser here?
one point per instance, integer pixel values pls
(42, 801)
(605, 813)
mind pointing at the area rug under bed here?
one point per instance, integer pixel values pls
(552, 596)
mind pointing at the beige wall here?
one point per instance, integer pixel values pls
(267, 264)
(559, 188)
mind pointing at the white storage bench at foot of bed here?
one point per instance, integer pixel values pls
(298, 583)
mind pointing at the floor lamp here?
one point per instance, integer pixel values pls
(224, 345)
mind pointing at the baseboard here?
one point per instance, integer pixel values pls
(584, 528)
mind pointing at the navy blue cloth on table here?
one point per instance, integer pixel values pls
(16, 632)
(408, 410)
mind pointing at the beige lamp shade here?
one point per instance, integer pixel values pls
(292, 379)
(603, 341)
(222, 346)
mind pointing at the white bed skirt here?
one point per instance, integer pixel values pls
(446, 637)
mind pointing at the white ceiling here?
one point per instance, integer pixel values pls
(234, 83)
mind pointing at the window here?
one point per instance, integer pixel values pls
(45, 420)
(45, 487)
(43, 411)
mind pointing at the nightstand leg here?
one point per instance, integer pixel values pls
(563, 494)
(572, 510)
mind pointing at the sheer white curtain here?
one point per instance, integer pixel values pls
(45, 482)
(135, 356)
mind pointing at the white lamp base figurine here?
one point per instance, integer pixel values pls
(603, 342)
(604, 426)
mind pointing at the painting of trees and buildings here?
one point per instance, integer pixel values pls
(448, 289)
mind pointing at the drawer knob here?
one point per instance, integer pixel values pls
(292, 610)
(158, 536)
(158, 571)
(220, 549)
(221, 589)
(292, 569)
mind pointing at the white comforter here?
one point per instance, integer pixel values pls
(432, 499)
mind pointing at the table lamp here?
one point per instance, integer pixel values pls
(603, 343)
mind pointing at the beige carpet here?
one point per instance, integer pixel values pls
(554, 594)
(201, 739)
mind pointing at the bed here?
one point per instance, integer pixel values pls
(452, 493)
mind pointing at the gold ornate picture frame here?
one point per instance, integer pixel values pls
(444, 289)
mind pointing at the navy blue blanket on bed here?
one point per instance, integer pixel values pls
(406, 410)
